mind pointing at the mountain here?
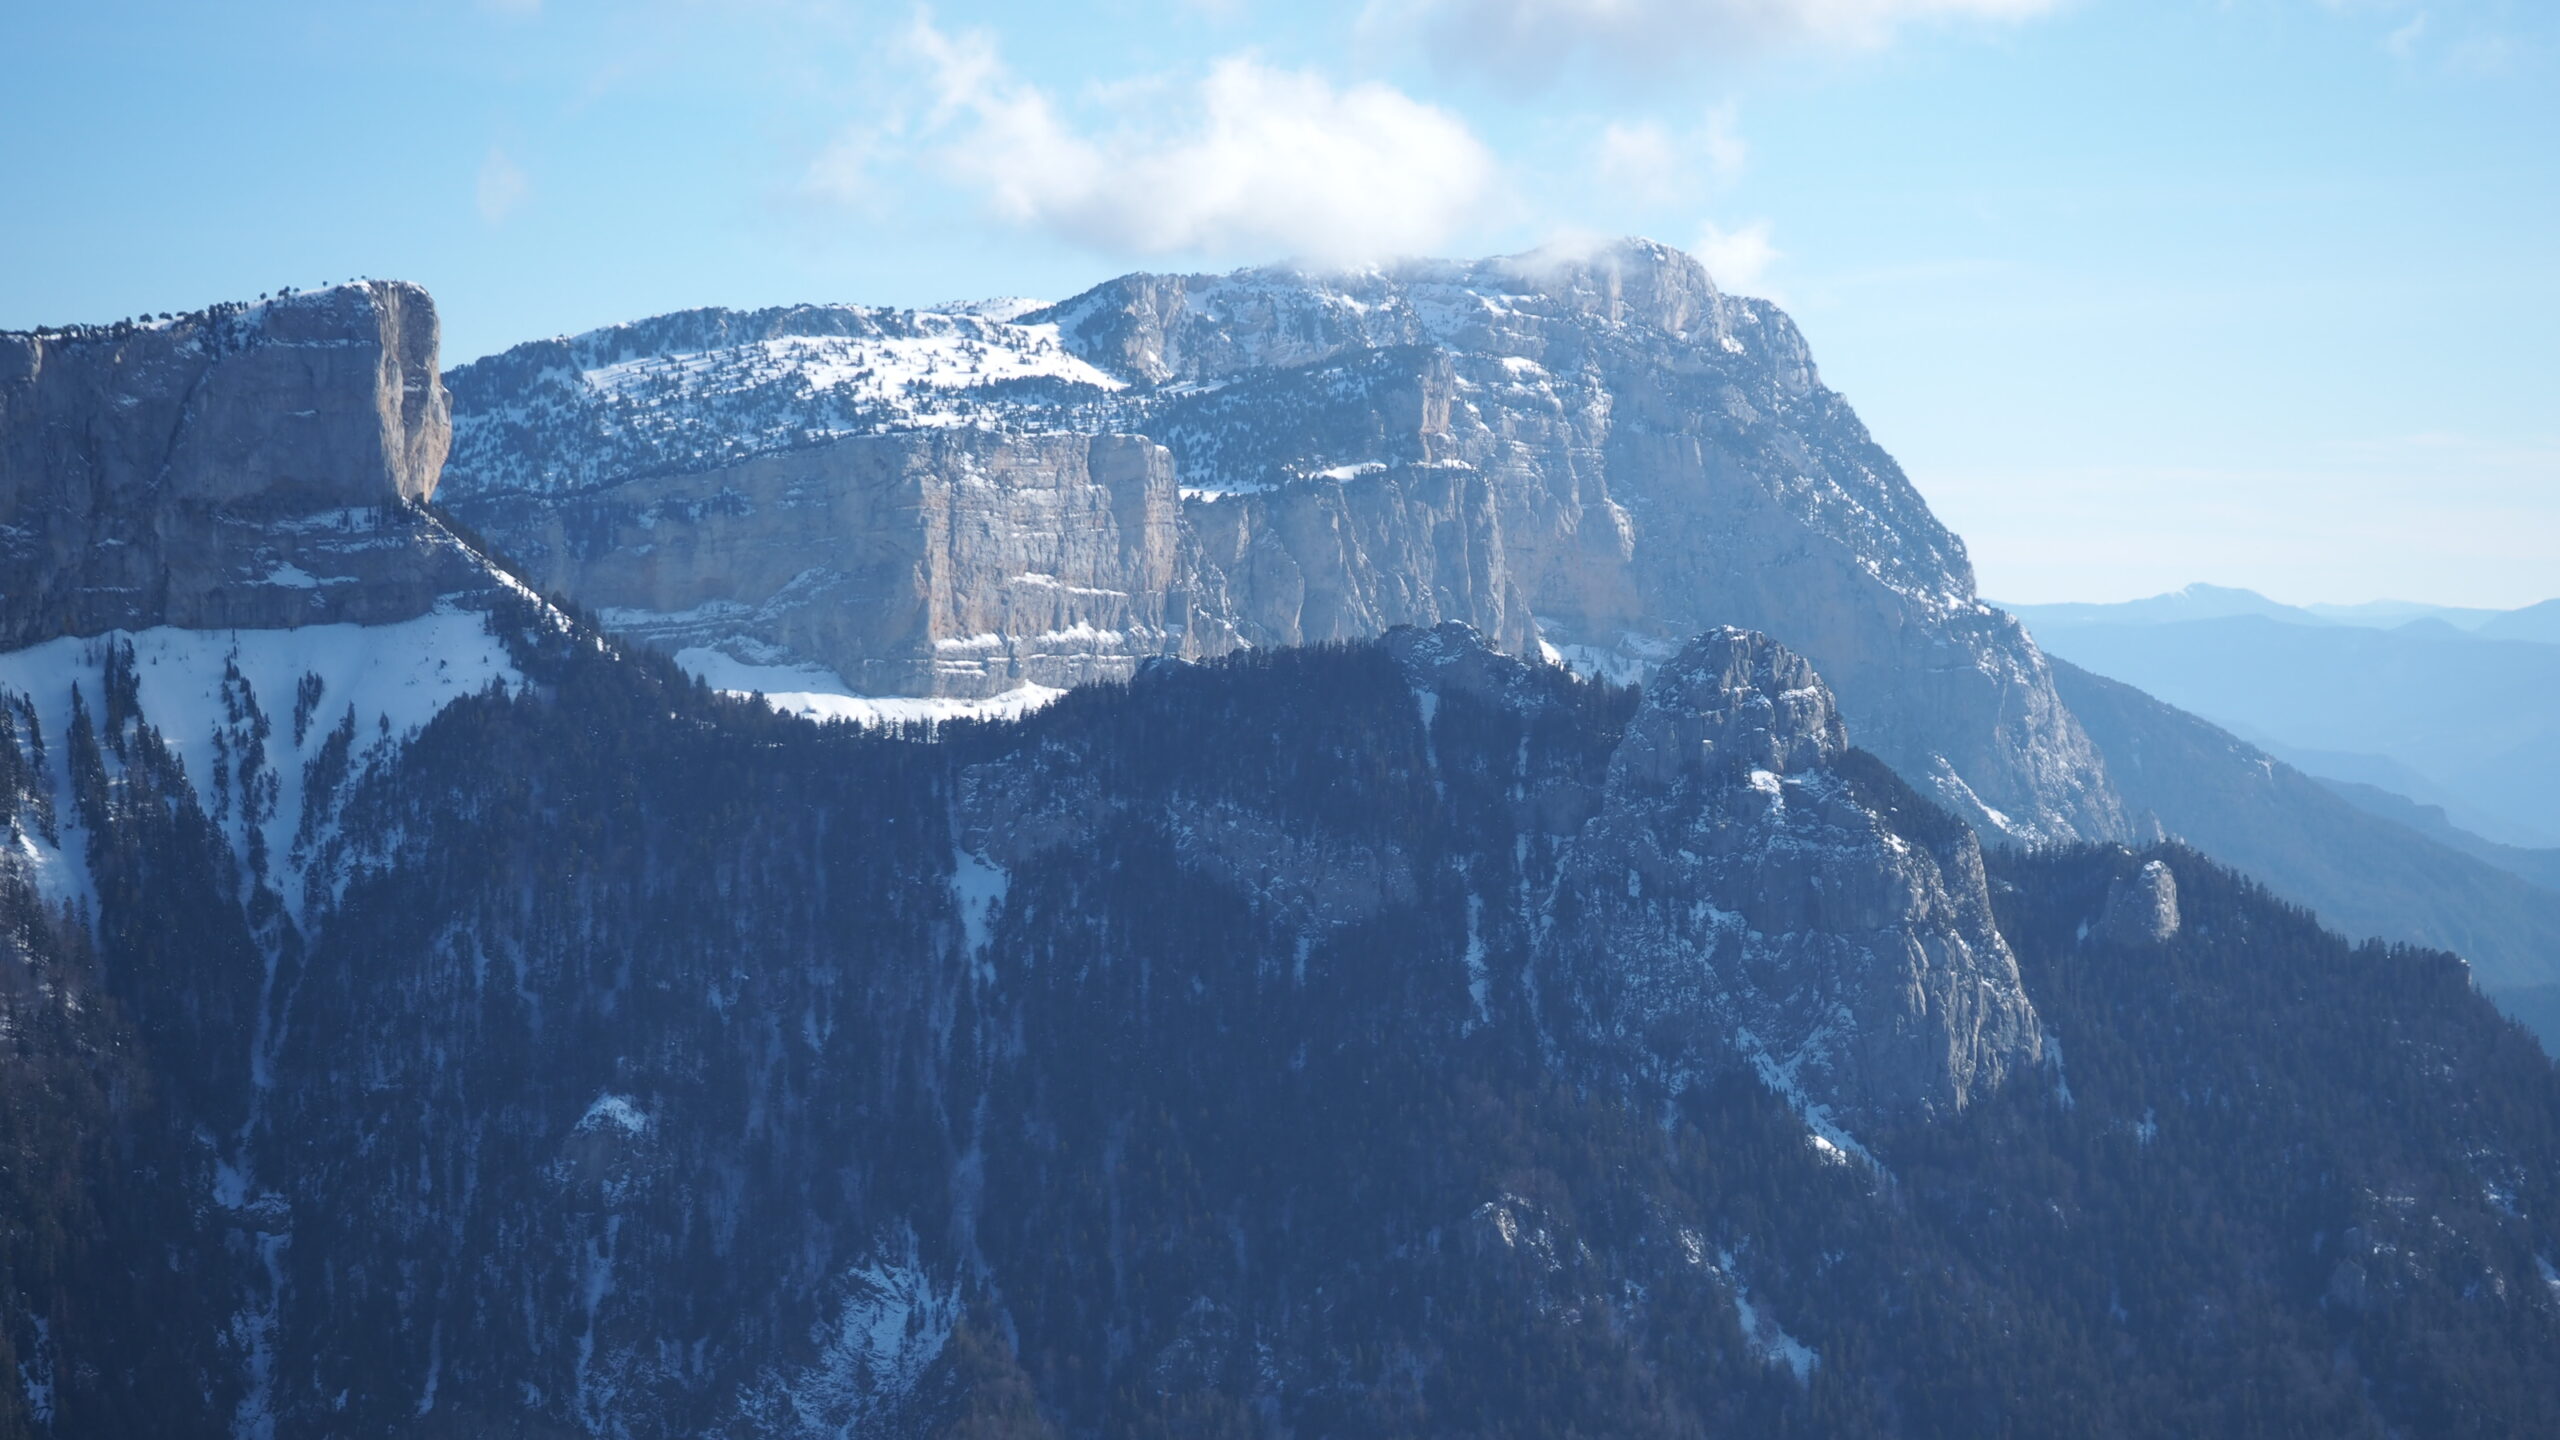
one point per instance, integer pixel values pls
(2215, 602)
(916, 514)
(2534, 622)
(215, 519)
(2195, 602)
(2478, 718)
(1600, 453)
(2362, 873)
(441, 1017)
(2392, 614)
(2542, 867)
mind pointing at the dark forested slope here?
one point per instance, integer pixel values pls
(1382, 1039)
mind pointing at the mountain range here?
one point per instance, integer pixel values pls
(2465, 717)
(1447, 851)
(2539, 621)
(1587, 455)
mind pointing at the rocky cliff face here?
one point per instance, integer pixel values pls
(961, 562)
(1600, 453)
(247, 465)
(1751, 886)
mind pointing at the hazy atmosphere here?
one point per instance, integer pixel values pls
(2253, 292)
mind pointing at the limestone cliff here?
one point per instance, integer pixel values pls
(936, 562)
(246, 465)
(1601, 454)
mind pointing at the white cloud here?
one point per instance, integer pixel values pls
(501, 189)
(1526, 38)
(1247, 158)
(1646, 162)
(1737, 260)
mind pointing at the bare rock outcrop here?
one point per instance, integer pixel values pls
(1752, 886)
(1727, 885)
(2141, 908)
(939, 562)
(243, 466)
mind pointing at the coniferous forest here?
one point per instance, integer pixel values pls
(1194, 1057)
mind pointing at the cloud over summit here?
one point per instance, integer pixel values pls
(1244, 158)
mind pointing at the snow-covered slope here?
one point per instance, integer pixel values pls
(708, 387)
(213, 532)
(269, 727)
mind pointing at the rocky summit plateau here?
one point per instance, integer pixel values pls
(1476, 869)
(1590, 456)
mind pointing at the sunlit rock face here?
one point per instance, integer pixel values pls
(247, 465)
(957, 562)
(1597, 452)
(1752, 889)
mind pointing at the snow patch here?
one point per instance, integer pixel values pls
(1773, 1345)
(816, 693)
(889, 1326)
(1479, 979)
(35, 1371)
(977, 888)
(393, 679)
(901, 372)
(615, 1111)
(1781, 1077)
(1211, 492)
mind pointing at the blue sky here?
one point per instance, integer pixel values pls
(2250, 291)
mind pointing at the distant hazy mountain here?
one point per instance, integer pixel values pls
(2477, 717)
(2534, 622)
(2195, 602)
(2361, 872)
(2214, 602)
(2391, 614)
(2541, 866)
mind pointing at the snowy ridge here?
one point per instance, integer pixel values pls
(704, 388)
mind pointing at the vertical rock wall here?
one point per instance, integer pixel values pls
(240, 466)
